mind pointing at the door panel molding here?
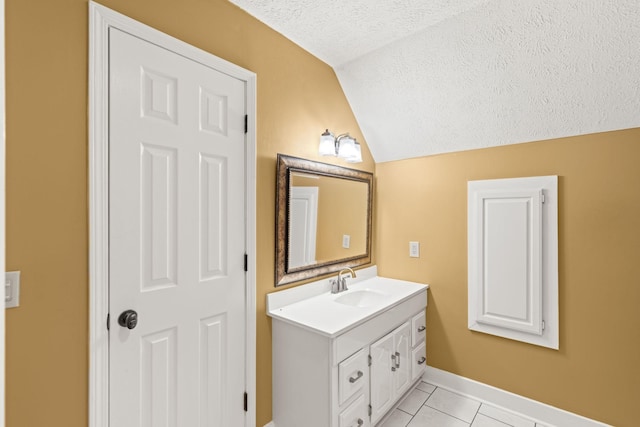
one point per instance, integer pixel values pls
(101, 19)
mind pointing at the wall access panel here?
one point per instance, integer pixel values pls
(513, 258)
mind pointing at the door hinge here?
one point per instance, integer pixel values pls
(246, 262)
(369, 360)
(108, 319)
(370, 410)
(543, 325)
(543, 198)
(246, 123)
(246, 402)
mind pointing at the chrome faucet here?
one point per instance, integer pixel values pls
(340, 284)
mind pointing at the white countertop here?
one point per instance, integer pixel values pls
(322, 314)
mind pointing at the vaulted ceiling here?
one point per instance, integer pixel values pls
(428, 77)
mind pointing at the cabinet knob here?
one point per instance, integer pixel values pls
(360, 422)
(422, 360)
(421, 328)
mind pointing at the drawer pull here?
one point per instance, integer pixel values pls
(422, 360)
(397, 360)
(421, 328)
(356, 378)
(360, 422)
(394, 365)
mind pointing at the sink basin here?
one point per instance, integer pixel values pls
(361, 298)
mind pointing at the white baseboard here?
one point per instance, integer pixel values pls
(528, 408)
(270, 424)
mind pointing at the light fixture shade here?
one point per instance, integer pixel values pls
(357, 157)
(327, 145)
(347, 147)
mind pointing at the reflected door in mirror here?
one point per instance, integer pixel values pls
(303, 214)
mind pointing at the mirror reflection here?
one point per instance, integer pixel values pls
(323, 219)
(326, 219)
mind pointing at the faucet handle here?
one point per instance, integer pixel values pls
(335, 285)
(344, 284)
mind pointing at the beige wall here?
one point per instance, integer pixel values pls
(47, 226)
(596, 372)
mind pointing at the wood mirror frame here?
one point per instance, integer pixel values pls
(286, 165)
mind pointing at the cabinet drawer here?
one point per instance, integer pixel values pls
(418, 328)
(356, 414)
(419, 361)
(353, 374)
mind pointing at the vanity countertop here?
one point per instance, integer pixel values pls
(365, 299)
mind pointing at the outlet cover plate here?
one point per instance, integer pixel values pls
(12, 289)
(414, 249)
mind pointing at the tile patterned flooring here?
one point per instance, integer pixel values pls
(431, 406)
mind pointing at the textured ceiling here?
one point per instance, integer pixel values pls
(338, 31)
(431, 77)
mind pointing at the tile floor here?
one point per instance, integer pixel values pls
(431, 406)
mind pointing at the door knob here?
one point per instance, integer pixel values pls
(128, 319)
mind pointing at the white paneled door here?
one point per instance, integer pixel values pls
(176, 239)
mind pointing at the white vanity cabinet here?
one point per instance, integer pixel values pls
(311, 387)
(352, 374)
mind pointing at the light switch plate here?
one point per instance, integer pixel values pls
(414, 249)
(12, 289)
(346, 241)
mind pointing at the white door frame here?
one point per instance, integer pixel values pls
(100, 20)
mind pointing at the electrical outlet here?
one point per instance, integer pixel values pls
(12, 289)
(414, 249)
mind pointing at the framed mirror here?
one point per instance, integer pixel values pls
(323, 219)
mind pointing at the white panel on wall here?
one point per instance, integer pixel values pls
(509, 226)
(513, 246)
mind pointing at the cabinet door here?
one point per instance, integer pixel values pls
(382, 390)
(402, 353)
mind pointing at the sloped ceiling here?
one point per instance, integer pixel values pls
(429, 77)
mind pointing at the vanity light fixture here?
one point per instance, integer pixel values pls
(343, 146)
